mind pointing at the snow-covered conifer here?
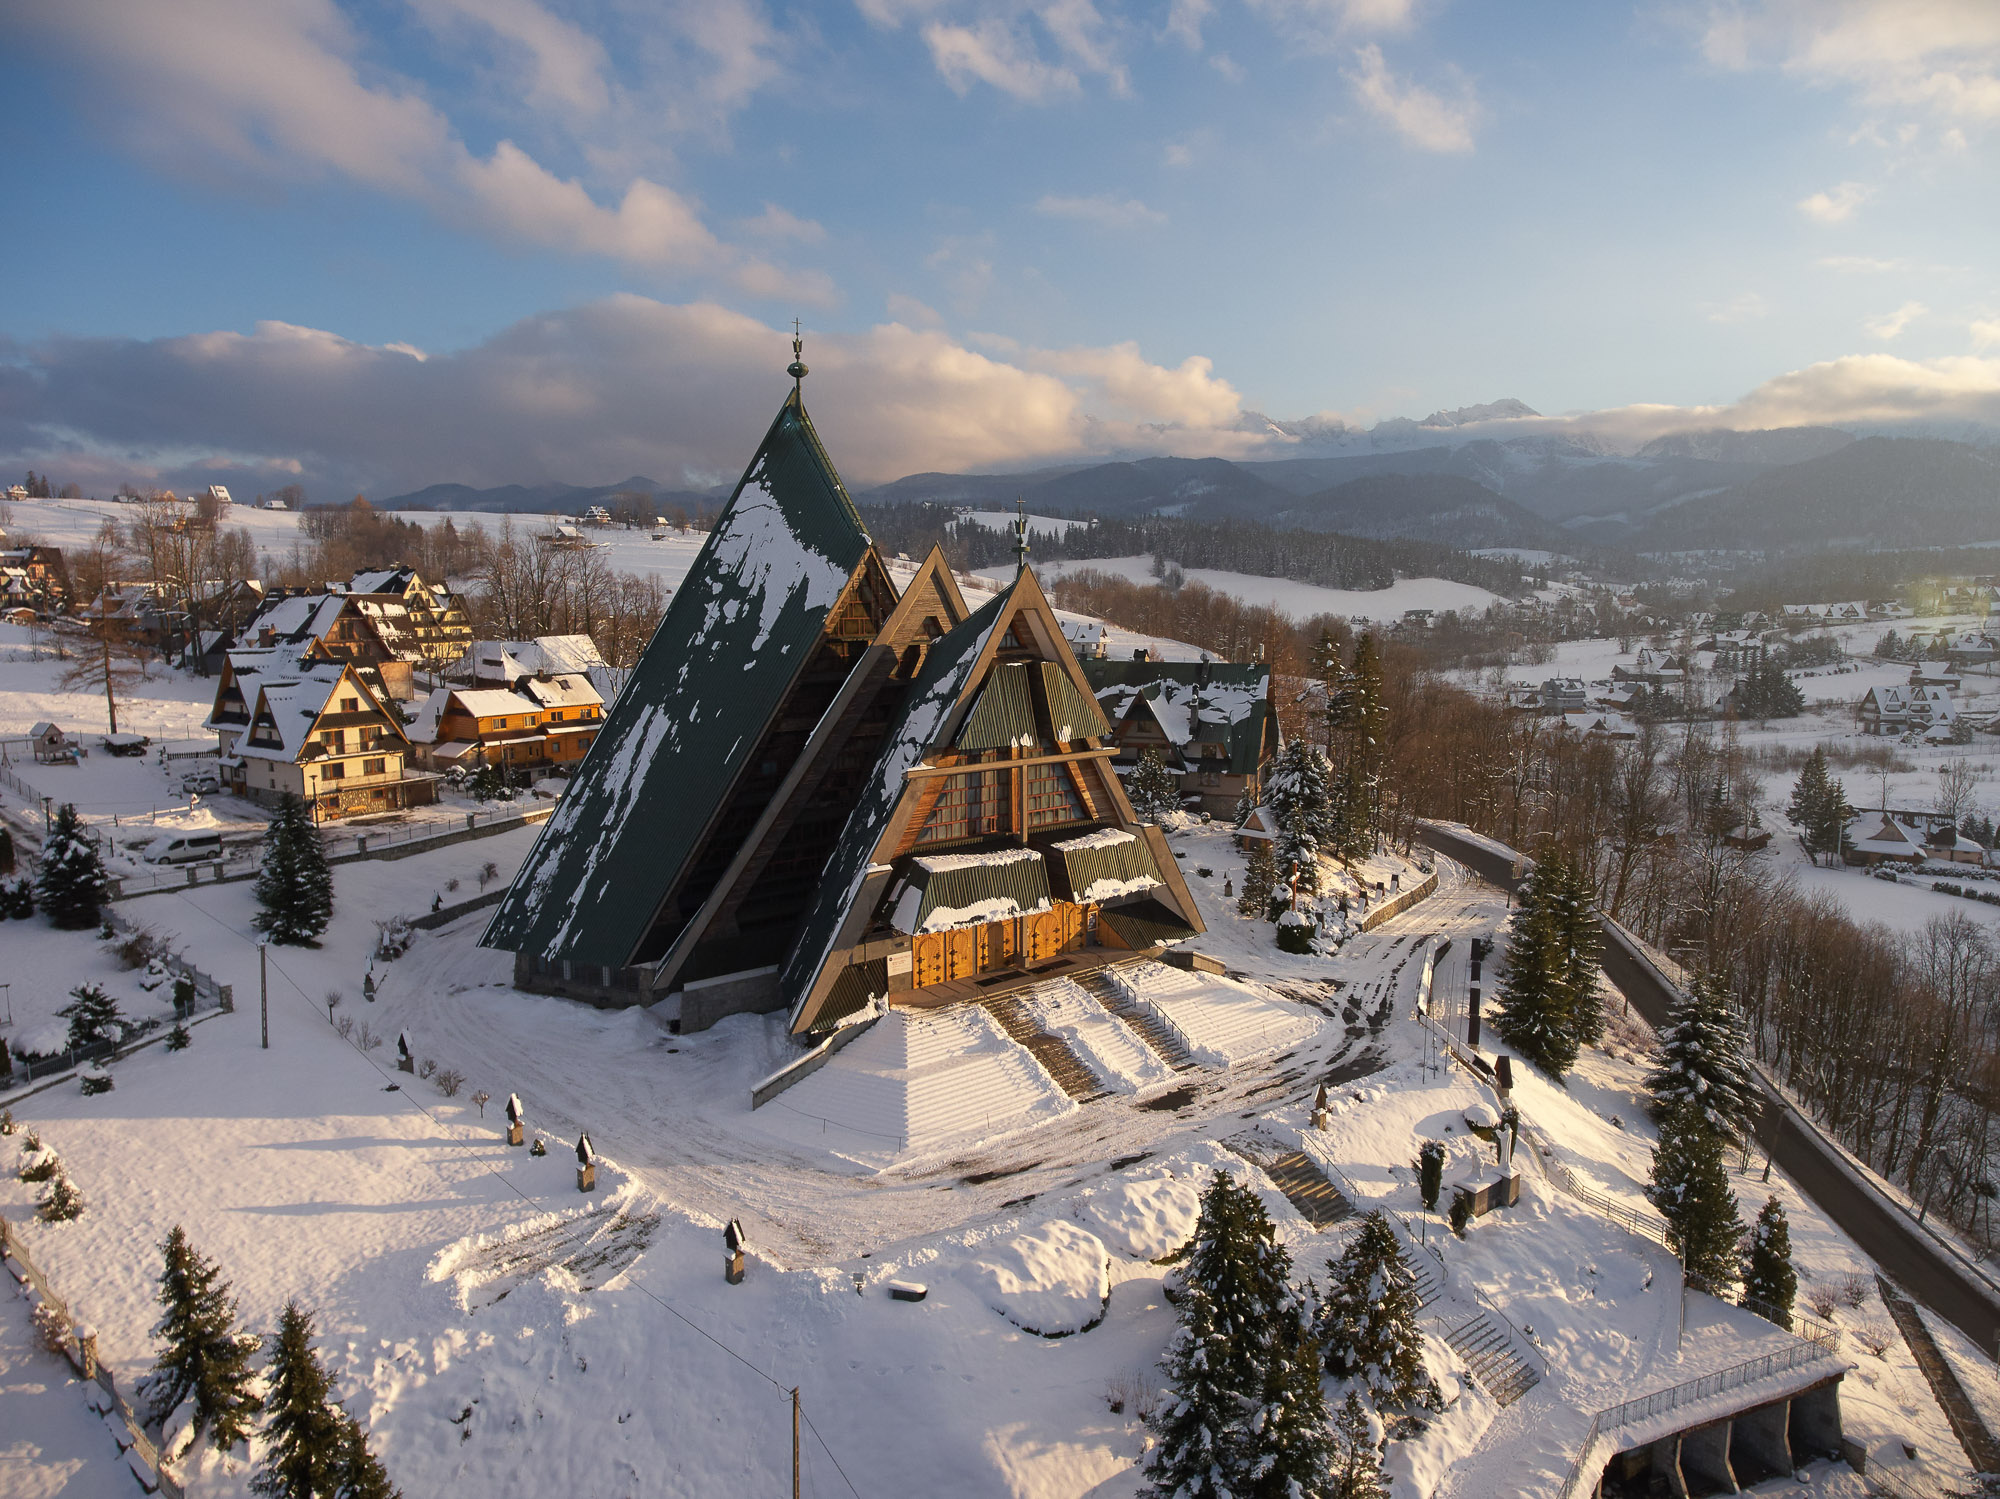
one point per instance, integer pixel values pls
(1236, 1304)
(1575, 920)
(1769, 1281)
(1533, 1012)
(295, 888)
(62, 1203)
(1152, 789)
(1368, 1325)
(70, 878)
(1703, 1062)
(1260, 881)
(1297, 795)
(93, 1016)
(201, 1354)
(361, 1474)
(1245, 805)
(302, 1428)
(1294, 1449)
(1357, 1472)
(1691, 1189)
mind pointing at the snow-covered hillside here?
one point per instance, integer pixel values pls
(1300, 600)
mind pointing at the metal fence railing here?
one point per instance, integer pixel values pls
(81, 1351)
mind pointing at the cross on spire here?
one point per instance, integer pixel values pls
(1020, 536)
(797, 369)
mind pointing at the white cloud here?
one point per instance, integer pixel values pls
(1324, 24)
(621, 386)
(910, 310)
(1837, 206)
(1861, 264)
(276, 89)
(1890, 325)
(1105, 210)
(775, 223)
(1741, 309)
(991, 53)
(1185, 18)
(1985, 334)
(563, 64)
(1934, 58)
(1425, 119)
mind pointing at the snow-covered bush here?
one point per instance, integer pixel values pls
(51, 1328)
(1295, 933)
(95, 1083)
(1052, 1281)
(393, 937)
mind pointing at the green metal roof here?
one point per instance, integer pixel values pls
(1104, 865)
(1003, 715)
(1069, 709)
(943, 891)
(858, 983)
(738, 632)
(925, 717)
(1193, 701)
(1144, 923)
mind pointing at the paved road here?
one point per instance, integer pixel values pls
(1905, 1252)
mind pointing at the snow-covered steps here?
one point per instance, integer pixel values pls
(920, 1080)
(1057, 1059)
(1150, 1028)
(1305, 1186)
(1488, 1351)
(1216, 1021)
(1118, 1061)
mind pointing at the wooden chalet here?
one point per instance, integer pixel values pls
(438, 628)
(1211, 723)
(816, 792)
(324, 735)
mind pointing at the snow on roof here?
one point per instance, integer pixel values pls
(992, 859)
(423, 728)
(493, 702)
(1102, 838)
(294, 708)
(571, 691)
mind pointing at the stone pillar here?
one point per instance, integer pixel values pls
(1761, 1447)
(1705, 1459)
(86, 1349)
(1815, 1422)
(1665, 1482)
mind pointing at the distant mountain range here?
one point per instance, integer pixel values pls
(1797, 487)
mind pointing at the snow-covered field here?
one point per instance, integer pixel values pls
(499, 1332)
(1300, 600)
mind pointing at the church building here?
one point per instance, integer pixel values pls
(820, 789)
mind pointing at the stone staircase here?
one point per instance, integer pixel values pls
(1147, 1025)
(1296, 1174)
(1489, 1353)
(1055, 1055)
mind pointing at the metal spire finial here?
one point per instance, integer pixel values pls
(797, 369)
(1020, 536)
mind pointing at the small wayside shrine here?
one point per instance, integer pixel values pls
(817, 790)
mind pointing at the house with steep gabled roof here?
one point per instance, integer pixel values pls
(816, 793)
(323, 734)
(1212, 723)
(438, 629)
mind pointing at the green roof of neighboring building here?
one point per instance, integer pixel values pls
(1185, 696)
(738, 632)
(1145, 923)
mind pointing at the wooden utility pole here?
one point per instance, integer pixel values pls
(795, 1442)
(110, 702)
(263, 996)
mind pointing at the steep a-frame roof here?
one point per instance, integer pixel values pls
(939, 686)
(735, 638)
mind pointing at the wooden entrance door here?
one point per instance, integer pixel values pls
(997, 945)
(961, 953)
(928, 965)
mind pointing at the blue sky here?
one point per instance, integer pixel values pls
(1015, 233)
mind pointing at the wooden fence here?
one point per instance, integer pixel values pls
(142, 1451)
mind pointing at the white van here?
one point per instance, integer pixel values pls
(183, 848)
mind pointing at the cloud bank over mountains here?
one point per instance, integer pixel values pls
(681, 392)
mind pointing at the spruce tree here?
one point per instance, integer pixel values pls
(6, 851)
(1260, 881)
(1703, 1062)
(70, 878)
(1152, 788)
(1818, 807)
(202, 1356)
(92, 1018)
(1368, 718)
(1357, 1470)
(1533, 1014)
(361, 1474)
(1368, 1324)
(1770, 1284)
(1349, 837)
(1297, 796)
(1691, 1189)
(295, 888)
(1294, 1447)
(1575, 922)
(303, 1434)
(62, 1203)
(1245, 805)
(1225, 1359)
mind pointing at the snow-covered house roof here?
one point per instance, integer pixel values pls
(423, 725)
(1194, 704)
(1885, 836)
(568, 691)
(510, 660)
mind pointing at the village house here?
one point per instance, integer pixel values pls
(539, 722)
(503, 663)
(1564, 695)
(820, 793)
(1651, 667)
(1212, 724)
(326, 736)
(34, 577)
(1876, 835)
(1906, 709)
(366, 631)
(438, 625)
